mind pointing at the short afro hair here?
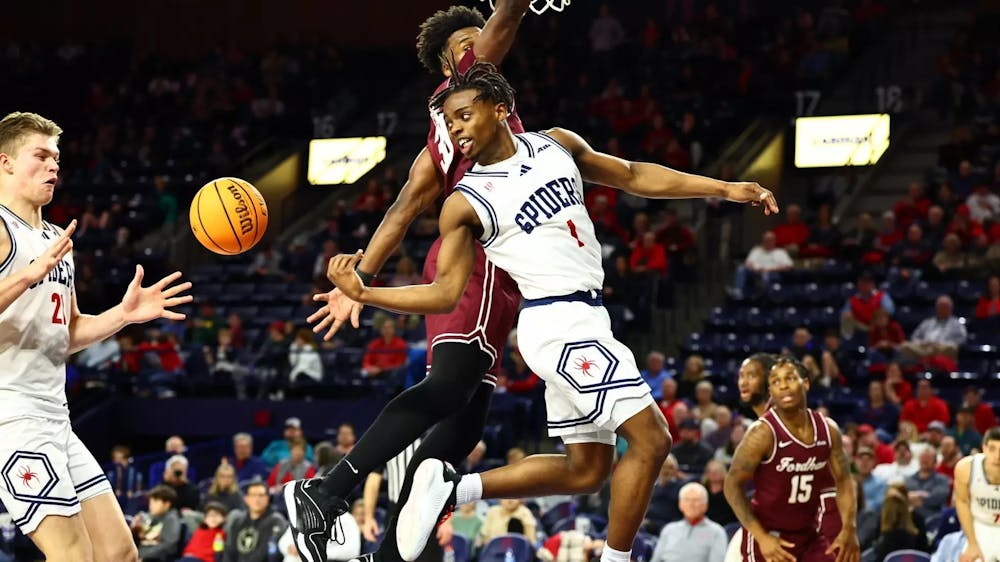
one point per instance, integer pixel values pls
(436, 30)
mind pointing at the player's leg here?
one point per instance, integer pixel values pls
(63, 539)
(451, 440)
(110, 537)
(632, 484)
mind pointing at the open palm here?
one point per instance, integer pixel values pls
(142, 304)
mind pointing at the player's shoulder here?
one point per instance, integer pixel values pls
(760, 430)
(963, 468)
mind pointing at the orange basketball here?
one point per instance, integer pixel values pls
(228, 216)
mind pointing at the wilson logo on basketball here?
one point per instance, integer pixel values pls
(242, 210)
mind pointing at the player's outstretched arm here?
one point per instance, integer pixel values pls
(963, 472)
(423, 184)
(846, 544)
(500, 29)
(654, 181)
(455, 261)
(140, 304)
(757, 444)
(19, 281)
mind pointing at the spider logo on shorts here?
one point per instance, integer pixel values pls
(27, 476)
(584, 365)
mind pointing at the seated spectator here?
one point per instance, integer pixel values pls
(803, 346)
(884, 337)
(898, 390)
(902, 468)
(691, 453)
(266, 262)
(859, 240)
(937, 336)
(248, 466)
(271, 360)
(694, 372)
(965, 433)
(175, 477)
(913, 207)
(304, 362)
(836, 360)
(704, 407)
(158, 532)
(879, 412)
(174, 445)
(873, 487)
(295, 467)
(649, 256)
(950, 455)
(499, 517)
(860, 307)
(887, 237)
(677, 239)
(346, 439)
(898, 531)
(222, 361)
(763, 262)
(929, 491)
(666, 490)
(225, 490)
(793, 234)
(911, 253)
(935, 433)
(984, 416)
(983, 204)
(696, 538)
(125, 479)
(329, 250)
(280, 449)
(388, 352)
(517, 377)
(467, 523)
(474, 461)
(869, 437)
(989, 303)
(373, 198)
(406, 273)
(925, 408)
(209, 538)
(654, 374)
(935, 228)
(950, 258)
(669, 399)
(258, 521)
(966, 228)
(724, 453)
(824, 236)
(713, 479)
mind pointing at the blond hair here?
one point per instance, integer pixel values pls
(15, 127)
(896, 515)
(217, 488)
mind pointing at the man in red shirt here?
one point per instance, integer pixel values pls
(884, 453)
(925, 408)
(793, 233)
(984, 415)
(950, 455)
(861, 306)
(386, 352)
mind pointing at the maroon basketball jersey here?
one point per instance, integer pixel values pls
(447, 158)
(787, 485)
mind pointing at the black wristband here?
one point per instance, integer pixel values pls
(366, 278)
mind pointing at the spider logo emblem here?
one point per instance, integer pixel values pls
(584, 365)
(26, 476)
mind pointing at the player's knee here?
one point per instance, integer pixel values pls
(589, 480)
(655, 445)
(120, 552)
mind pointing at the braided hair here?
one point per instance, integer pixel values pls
(482, 77)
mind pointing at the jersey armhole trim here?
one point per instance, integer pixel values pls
(552, 139)
(13, 248)
(489, 231)
(774, 441)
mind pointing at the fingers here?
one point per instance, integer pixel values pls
(325, 297)
(323, 323)
(177, 289)
(171, 315)
(177, 301)
(167, 280)
(316, 316)
(137, 280)
(337, 323)
(356, 315)
(69, 230)
(770, 204)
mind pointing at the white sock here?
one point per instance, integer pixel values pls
(612, 555)
(470, 489)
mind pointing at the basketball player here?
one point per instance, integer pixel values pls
(752, 384)
(977, 500)
(465, 345)
(783, 453)
(52, 485)
(523, 200)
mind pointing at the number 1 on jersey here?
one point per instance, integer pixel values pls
(59, 314)
(572, 232)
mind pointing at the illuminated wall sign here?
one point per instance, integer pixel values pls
(336, 161)
(842, 140)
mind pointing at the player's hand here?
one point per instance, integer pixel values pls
(142, 304)
(773, 549)
(335, 312)
(751, 192)
(341, 273)
(44, 263)
(971, 554)
(370, 529)
(846, 546)
(445, 532)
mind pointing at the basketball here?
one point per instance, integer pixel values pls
(228, 216)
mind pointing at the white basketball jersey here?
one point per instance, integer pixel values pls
(984, 498)
(34, 330)
(536, 227)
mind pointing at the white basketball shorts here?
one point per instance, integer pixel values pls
(592, 384)
(46, 470)
(988, 537)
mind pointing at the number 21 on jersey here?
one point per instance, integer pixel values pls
(59, 312)
(801, 488)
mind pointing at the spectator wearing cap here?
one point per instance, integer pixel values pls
(654, 374)
(691, 453)
(925, 408)
(928, 490)
(873, 487)
(902, 468)
(936, 430)
(861, 306)
(248, 466)
(879, 412)
(695, 538)
(280, 449)
(984, 416)
(869, 437)
(950, 455)
(965, 433)
(763, 261)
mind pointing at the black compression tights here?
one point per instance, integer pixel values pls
(455, 376)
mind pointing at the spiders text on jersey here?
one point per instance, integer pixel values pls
(547, 201)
